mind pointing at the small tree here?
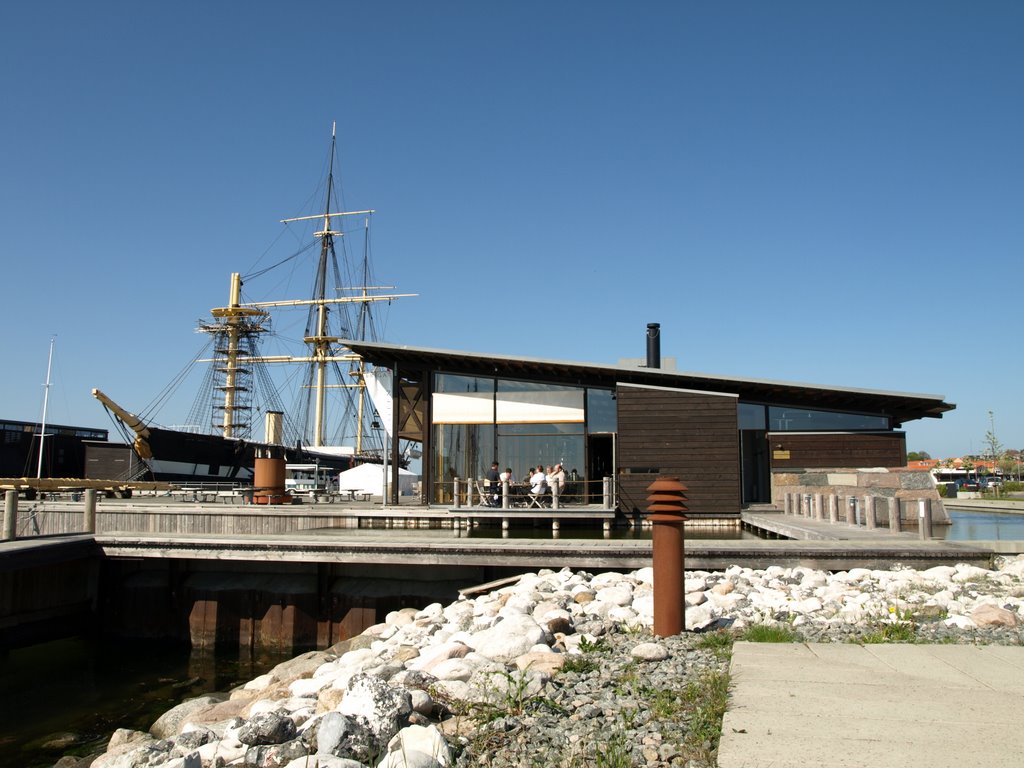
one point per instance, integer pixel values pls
(995, 448)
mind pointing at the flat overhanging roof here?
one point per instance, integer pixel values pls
(901, 406)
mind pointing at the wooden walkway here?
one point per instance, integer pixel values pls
(135, 528)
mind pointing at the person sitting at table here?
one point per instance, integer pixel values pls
(556, 479)
(538, 483)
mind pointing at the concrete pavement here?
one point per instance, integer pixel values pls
(846, 705)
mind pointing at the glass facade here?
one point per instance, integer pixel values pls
(477, 420)
(775, 418)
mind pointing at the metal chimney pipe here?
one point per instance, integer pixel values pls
(654, 345)
(273, 428)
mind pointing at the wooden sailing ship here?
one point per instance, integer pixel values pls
(238, 391)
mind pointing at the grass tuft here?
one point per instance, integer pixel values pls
(768, 633)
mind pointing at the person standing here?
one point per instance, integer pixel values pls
(493, 485)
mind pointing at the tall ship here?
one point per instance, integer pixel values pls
(340, 408)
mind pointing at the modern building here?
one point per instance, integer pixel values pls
(63, 449)
(723, 437)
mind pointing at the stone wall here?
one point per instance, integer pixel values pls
(907, 486)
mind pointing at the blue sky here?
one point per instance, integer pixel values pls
(818, 192)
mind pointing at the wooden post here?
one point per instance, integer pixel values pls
(787, 503)
(833, 508)
(90, 510)
(895, 524)
(556, 490)
(456, 501)
(924, 514)
(607, 492)
(818, 511)
(506, 502)
(10, 515)
(869, 512)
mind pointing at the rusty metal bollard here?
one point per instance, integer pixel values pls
(665, 511)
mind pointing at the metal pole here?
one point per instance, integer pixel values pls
(46, 400)
(666, 514)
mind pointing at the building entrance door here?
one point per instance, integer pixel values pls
(600, 464)
(755, 466)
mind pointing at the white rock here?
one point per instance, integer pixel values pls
(453, 669)
(309, 686)
(649, 652)
(422, 702)
(259, 683)
(699, 616)
(511, 637)
(430, 655)
(695, 584)
(606, 579)
(644, 575)
(965, 573)
(413, 741)
(939, 573)
(322, 761)
(381, 706)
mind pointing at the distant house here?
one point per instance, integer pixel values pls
(723, 437)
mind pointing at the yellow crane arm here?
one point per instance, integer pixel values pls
(130, 420)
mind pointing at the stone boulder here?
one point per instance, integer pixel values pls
(511, 637)
(267, 728)
(169, 724)
(383, 709)
(338, 735)
(417, 747)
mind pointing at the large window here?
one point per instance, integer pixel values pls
(519, 424)
(806, 420)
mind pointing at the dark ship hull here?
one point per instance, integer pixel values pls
(184, 457)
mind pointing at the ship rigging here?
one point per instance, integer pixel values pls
(238, 388)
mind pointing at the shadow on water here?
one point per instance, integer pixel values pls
(68, 696)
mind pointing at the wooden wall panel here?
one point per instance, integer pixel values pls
(691, 435)
(838, 450)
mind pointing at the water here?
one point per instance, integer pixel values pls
(68, 696)
(984, 526)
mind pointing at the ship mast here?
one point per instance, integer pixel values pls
(240, 321)
(232, 324)
(321, 342)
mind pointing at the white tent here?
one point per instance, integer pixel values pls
(369, 478)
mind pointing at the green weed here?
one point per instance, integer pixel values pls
(897, 632)
(768, 633)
